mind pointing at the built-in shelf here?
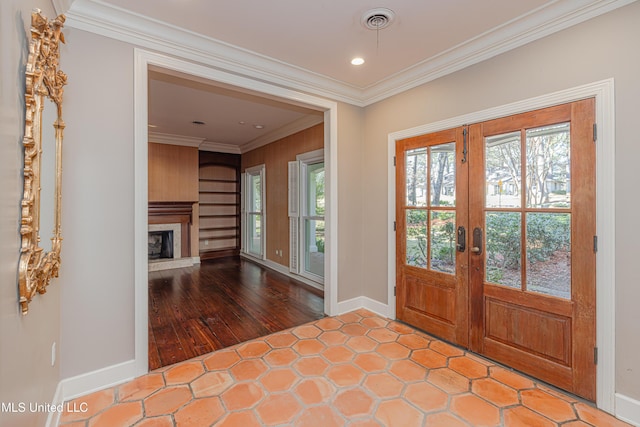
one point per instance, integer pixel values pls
(218, 228)
(216, 180)
(219, 204)
(227, 237)
(219, 192)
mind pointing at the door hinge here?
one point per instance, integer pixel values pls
(465, 132)
(394, 291)
(595, 244)
(595, 355)
(394, 160)
(394, 226)
(595, 132)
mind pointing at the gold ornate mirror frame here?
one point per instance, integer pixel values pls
(43, 80)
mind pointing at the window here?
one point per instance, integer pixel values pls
(253, 217)
(306, 215)
(313, 219)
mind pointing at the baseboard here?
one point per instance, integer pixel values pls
(83, 384)
(628, 409)
(283, 270)
(364, 302)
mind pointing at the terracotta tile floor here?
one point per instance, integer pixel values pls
(357, 369)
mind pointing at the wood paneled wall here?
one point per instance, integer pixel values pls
(275, 157)
(173, 177)
(173, 173)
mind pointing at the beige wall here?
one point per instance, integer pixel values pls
(98, 205)
(26, 374)
(602, 48)
(275, 157)
(353, 255)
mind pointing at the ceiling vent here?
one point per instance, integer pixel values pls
(377, 19)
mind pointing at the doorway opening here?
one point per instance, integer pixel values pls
(144, 62)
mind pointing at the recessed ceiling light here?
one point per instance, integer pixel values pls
(357, 61)
(242, 122)
(153, 126)
(258, 126)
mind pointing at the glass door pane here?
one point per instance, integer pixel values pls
(530, 168)
(314, 250)
(255, 234)
(548, 167)
(255, 199)
(315, 189)
(431, 200)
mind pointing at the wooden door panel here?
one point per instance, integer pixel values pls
(538, 367)
(544, 334)
(430, 300)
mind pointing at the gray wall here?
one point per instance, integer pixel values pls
(26, 374)
(598, 49)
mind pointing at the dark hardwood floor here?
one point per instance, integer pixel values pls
(222, 302)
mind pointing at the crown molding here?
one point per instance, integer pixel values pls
(218, 147)
(538, 24)
(167, 138)
(289, 129)
(107, 20)
(110, 21)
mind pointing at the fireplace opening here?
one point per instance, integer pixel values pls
(160, 244)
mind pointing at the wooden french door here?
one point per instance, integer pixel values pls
(495, 240)
(432, 275)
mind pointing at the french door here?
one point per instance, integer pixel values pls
(496, 240)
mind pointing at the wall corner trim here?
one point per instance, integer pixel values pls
(628, 409)
(367, 303)
(53, 419)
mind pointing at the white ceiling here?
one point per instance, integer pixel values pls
(308, 45)
(229, 118)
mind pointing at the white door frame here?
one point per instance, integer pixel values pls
(603, 91)
(142, 61)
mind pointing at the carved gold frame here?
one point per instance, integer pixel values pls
(43, 80)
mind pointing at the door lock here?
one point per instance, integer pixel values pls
(477, 241)
(462, 239)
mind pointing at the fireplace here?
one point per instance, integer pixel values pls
(160, 244)
(169, 235)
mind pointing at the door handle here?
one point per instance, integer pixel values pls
(477, 241)
(461, 244)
